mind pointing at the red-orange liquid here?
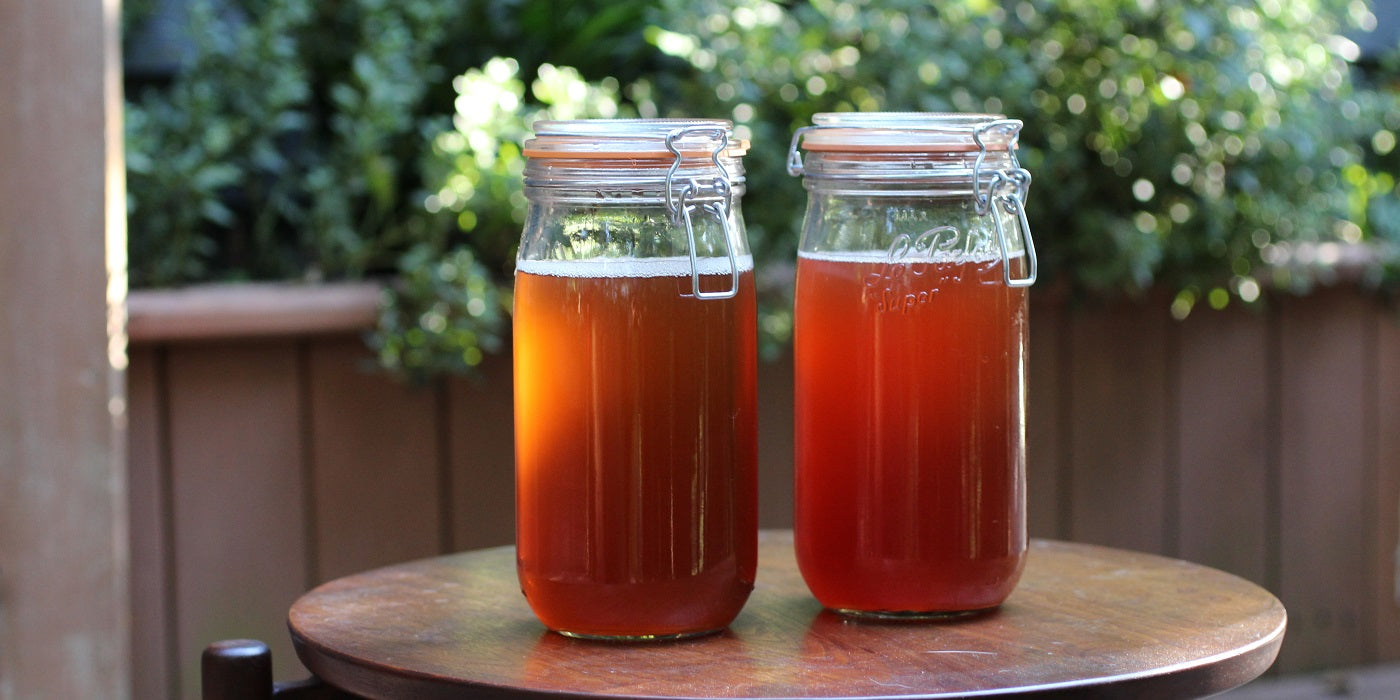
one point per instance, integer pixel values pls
(636, 447)
(910, 439)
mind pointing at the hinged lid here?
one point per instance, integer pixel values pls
(641, 139)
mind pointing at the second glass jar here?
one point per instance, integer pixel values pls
(910, 357)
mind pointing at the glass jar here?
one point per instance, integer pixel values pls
(635, 380)
(910, 362)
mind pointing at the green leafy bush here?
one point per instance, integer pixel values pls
(1209, 149)
(310, 140)
(207, 178)
(1175, 145)
(446, 308)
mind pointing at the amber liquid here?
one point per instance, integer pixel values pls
(910, 438)
(636, 446)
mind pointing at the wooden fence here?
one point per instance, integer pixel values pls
(265, 460)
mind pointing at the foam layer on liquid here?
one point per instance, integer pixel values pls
(632, 267)
(881, 256)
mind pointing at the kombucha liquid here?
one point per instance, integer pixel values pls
(910, 442)
(636, 445)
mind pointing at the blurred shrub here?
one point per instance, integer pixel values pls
(1189, 146)
(1211, 149)
(446, 308)
(1374, 192)
(311, 140)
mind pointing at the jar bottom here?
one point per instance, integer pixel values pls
(638, 637)
(912, 615)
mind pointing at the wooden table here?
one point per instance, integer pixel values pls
(1085, 621)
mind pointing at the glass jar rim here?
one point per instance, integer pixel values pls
(637, 139)
(909, 132)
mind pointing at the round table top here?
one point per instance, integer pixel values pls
(1084, 620)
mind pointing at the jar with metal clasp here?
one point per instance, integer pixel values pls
(635, 379)
(910, 360)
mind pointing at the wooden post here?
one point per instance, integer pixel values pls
(64, 606)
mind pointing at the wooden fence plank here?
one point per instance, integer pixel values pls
(775, 442)
(1046, 399)
(1223, 420)
(239, 546)
(152, 648)
(1386, 427)
(1118, 435)
(481, 425)
(1322, 478)
(374, 463)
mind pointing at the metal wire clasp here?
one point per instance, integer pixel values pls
(1005, 193)
(794, 160)
(718, 192)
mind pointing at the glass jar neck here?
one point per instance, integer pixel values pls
(634, 161)
(639, 188)
(948, 175)
(907, 154)
(887, 157)
(631, 182)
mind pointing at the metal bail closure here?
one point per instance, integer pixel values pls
(680, 209)
(794, 160)
(984, 199)
(1004, 203)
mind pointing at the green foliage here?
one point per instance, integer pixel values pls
(1176, 145)
(1374, 194)
(206, 175)
(310, 140)
(443, 312)
(446, 308)
(136, 12)
(1207, 148)
(478, 164)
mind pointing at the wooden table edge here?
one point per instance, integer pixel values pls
(1196, 678)
(1202, 678)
